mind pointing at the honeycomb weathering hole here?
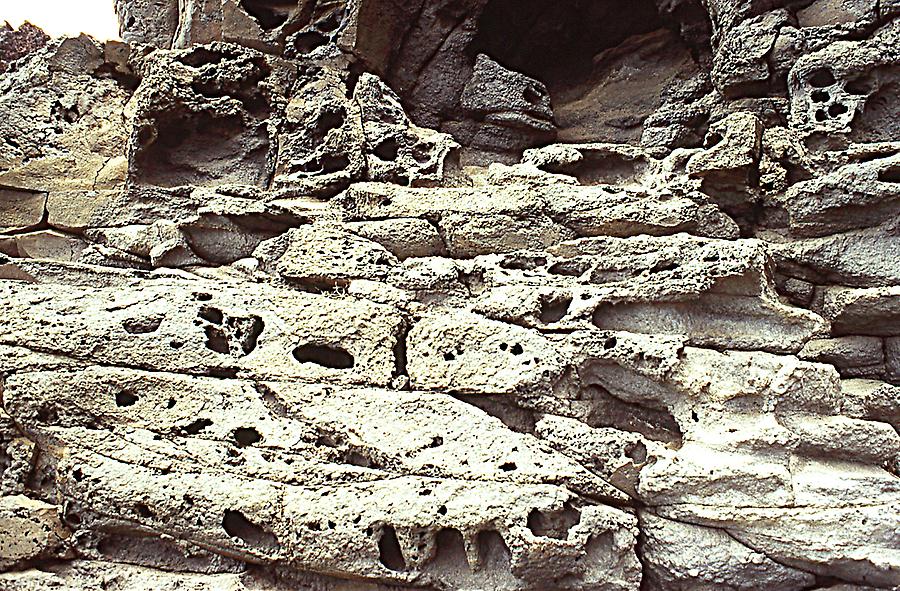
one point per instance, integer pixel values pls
(389, 552)
(125, 398)
(238, 526)
(326, 356)
(246, 436)
(270, 14)
(554, 524)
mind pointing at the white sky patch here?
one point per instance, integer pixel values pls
(64, 17)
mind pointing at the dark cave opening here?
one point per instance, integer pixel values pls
(604, 67)
(556, 42)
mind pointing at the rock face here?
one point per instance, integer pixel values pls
(453, 295)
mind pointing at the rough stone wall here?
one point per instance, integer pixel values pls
(453, 295)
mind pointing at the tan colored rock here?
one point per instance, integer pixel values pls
(471, 354)
(682, 556)
(502, 219)
(718, 293)
(302, 295)
(873, 311)
(21, 210)
(201, 327)
(279, 430)
(29, 530)
(49, 244)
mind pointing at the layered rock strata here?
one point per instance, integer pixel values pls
(452, 294)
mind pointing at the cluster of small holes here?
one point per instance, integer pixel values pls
(827, 107)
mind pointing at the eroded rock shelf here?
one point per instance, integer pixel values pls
(452, 295)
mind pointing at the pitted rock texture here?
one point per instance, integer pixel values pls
(364, 295)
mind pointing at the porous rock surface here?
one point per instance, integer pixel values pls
(360, 295)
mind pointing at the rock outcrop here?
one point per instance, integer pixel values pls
(453, 294)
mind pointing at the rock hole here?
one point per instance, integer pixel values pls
(820, 115)
(326, 441)
(388, 149)
(270, 14)
(142, 325)
(246, 436)
(238, 526)
(211, 315)
(216, 340)
(126, 398)
(821, 78)
(355, 458)
(421, 152)
(534, 95)
(890, 174)
(449, 356)
(144, 511)
(554, 308)
(247, 331)
(201, 57)
(201, 148)
(516, 349)
(197, 426)
(308, 42)
(637, 452)
(225, 373)
(554, 524)
(663, 266)
(492, 548)
(389, 551)
(610, 343)
(48, 414)
(326, 356)
(450, 548)
(436, 441)
(508, 466)
(520, 262)
(331, 21)
(73, 518)
(68, 115)
(202, 297)
(400, 352)
(329, 119)
(820, 96)
(568, 268)
(860, 86)
(652, 423)
(442, 510)
(556, 42)
(712, 139)
(837, 109)
(334, 163)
